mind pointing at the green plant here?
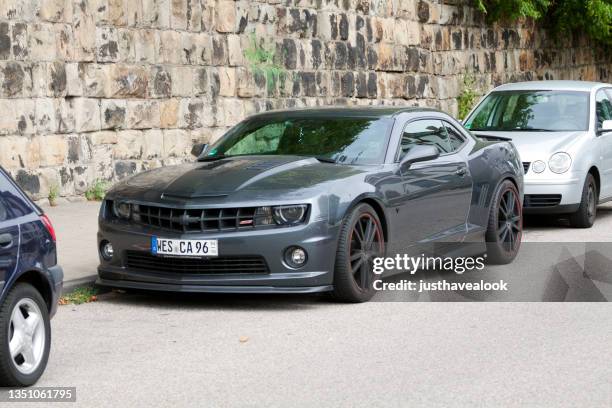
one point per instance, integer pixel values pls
(468, 96)
(81, 295)
(97, 191)
(562, 17)
(262, 61)
(512, 9)
(53, 194)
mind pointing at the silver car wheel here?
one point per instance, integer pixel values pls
(26, 336)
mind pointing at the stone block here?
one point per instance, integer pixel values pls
(177, 143)
(113, 113)
(142, 114)
(53, 150)
(152, 144)
(107, 44)
(178, 15)
(87, 114)
(128, 81)
(129, 145)
(169, 113)
(225, 16)
(182, 81)
(169, 47)
(227, 81)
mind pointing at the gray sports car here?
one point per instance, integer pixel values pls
(303, 201)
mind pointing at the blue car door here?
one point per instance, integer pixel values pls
(9, 234)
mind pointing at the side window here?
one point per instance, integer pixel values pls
(425, 132)
(12, 204)
(3, 211)
(455, 137)
(603, 107)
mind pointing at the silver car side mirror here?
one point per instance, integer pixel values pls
(606, 127)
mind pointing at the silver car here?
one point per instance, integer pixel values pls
(563, 132)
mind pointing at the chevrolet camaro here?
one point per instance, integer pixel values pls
(303, 201)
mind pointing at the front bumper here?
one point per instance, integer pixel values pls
(568, 186)
(318, 239)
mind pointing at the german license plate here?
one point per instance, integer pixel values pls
(184, 247)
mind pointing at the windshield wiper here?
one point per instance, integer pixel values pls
(212, 158)
(325, 159)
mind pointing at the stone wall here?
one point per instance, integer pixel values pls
(100, 89)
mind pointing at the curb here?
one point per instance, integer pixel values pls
(72, 284)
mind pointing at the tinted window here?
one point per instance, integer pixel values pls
(531, 111)
(345, 140)
(425, 132)
(455, 138)
(11, 200)
(3, 211)
(603, 107)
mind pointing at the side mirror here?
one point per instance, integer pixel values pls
(199, 149)
(606, 127)
(419, 153)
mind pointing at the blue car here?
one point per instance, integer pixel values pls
(30, 284)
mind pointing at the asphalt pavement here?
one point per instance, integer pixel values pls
(149, 349)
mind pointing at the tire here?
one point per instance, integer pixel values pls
(505, 225)
(353, 279)
(17, 372)
(587, 212)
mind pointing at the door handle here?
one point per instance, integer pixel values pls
(6, 240)
(461, 172)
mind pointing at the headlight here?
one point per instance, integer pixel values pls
(122, 209)
(560, 163)
(538, 166)
(281, 215)
(289, 214)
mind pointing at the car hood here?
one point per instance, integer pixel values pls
(539, 145)
(254, 176)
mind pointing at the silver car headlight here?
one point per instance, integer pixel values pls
(121, 209)
(560, 162)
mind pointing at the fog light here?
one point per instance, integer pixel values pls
(106, 250)
(538, 166)
(296, 257)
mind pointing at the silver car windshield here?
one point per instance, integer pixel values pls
(536, 111)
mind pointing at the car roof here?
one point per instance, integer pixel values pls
(352, 111)
(557, 85)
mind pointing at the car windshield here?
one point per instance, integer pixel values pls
(537, 111)
(347, 140)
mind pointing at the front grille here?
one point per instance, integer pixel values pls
(526, 166)
(542, 200)
(196, 220)
(218, 265)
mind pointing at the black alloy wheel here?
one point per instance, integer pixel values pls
(361, 240)
(505, 226)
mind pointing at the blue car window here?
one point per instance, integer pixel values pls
(3, 212)
(11, 200)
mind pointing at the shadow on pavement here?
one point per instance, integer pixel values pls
(220, 301)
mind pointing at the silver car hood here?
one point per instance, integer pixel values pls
(539, 145)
